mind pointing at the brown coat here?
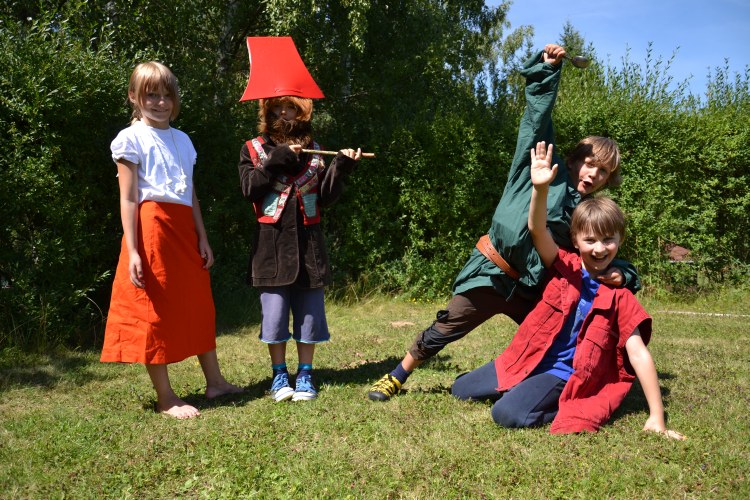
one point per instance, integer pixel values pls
(288, 252)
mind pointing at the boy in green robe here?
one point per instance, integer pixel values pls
(504, 272)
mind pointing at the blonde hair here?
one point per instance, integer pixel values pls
(604, 151)
(152, 76)
(600, 216)
(304, 110)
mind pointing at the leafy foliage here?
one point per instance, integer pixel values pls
(58, 227)
(428, 85)
(685, 173)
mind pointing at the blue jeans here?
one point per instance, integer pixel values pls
(532, 402)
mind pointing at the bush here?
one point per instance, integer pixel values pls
(410, 81)
(685, 169)
(58, 239)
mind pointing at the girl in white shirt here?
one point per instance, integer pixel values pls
(162, 310)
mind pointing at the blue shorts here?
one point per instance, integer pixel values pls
(308, 312)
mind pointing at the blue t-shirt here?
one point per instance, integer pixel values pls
(558, 360)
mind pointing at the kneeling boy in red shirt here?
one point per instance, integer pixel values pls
(576, 355)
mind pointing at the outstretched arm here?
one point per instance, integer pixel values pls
(645, 370)
(542, 174)
(542, 75)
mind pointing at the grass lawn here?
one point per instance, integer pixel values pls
(73, 427)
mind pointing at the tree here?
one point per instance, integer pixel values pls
(57, 228)
(685, 173)
(402, 78)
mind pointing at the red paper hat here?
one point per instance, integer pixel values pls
(277, 70)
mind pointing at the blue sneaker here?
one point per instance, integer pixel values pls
(280, 388)
(305, 390)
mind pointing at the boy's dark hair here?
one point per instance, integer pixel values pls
(604, 151)
(600, 216)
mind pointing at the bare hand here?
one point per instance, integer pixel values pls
(657, 425)
(669, 433)
(206, 253)
(135, 269)
(674, 435)
(352, 154)
(612, 277)
(296, 148)
(541, 173)
(553, 54)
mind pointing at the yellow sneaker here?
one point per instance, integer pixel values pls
(384, 389)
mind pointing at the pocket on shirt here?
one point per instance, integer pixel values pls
(601, 336)
(264, 262)
(597, 350)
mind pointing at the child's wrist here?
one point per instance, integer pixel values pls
(658, 419)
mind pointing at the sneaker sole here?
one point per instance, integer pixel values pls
(283, 394)
(303, 396)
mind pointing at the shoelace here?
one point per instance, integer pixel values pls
(386, 385)
(279, 381)
(304, 384)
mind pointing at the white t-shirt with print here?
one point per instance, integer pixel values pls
(165, 159)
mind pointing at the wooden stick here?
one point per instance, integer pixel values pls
(333, 153)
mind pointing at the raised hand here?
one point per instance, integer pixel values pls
(553, 54)
(541, 159)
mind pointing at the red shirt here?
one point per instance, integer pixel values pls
(602, 374)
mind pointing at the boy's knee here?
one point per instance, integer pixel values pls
(428, 343)
(507, 416)
(458, 389)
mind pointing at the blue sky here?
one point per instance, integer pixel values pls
(703, 33)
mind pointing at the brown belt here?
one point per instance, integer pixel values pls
(485, 246)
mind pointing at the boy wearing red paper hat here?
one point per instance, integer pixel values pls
(287, 188)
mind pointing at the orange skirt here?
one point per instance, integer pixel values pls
(173, 317)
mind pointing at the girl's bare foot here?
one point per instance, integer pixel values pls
(177, 408)
(222, 388)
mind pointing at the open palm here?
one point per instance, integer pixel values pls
(541, 159)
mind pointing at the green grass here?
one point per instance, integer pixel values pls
(73, 427)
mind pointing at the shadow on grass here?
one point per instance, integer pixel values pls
(367, 372)
(236, 309)
(25, 370)
(198, 399)
(635, 401)
(363, 373)
(360, 374)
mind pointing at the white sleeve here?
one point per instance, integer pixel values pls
(124, 148)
